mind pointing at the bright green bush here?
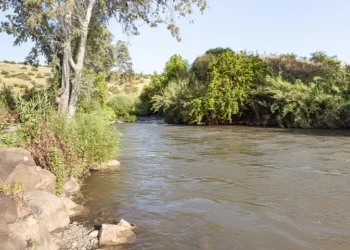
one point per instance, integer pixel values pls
(123, 107)
(95, 139)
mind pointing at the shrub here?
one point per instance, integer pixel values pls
(22, 76)
(47, 74)
(38, 76)
(23, 86)
(11, 189)
(9, 62)
(35, 69)
(30, 74)
(96, 140)
(123, 107)
(16, 85)
(24, 67)
(5, 73)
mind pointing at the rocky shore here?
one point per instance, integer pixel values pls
(33, 217)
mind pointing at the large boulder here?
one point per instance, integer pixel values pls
(111, 235)
(107, 166)
(8, 240)
(31, 231)
(33, 178)
(73, 208)
(50, 209)
(70, 188)
(10, 158)
(8, 210)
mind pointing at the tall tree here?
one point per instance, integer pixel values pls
(60, 29)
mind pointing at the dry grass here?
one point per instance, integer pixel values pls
(18, 84)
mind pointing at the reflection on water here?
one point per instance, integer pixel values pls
(228, 188)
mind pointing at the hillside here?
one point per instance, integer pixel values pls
(20, 77)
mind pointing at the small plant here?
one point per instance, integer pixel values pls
(57, 167)
(39, 76)
(16, 85)
(5, 73)
(24, 67)
(23, 86)
(47, 74)
(40, 86)
(11, 189)
(30, 74)
(35, 69)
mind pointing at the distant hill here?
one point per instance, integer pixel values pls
(19, 77)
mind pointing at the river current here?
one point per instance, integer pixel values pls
(227, 187)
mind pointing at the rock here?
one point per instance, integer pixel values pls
(8, 240)
(111, 235)
(10, 158)
(50, 209)
(8, 209)
(33, 178)
(107, 166)
(70, 187)
(73, 208)
(93, 234)
(22, 211)
(32, 232)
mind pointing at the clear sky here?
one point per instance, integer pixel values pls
(271, 26)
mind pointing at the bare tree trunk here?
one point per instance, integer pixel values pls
(78, 67)
(63, 93)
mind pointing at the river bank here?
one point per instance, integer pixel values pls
(32, 216)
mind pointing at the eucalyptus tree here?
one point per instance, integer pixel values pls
(60, 29)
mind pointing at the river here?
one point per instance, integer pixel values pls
(227, 187)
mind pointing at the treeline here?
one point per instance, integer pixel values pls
(227, 87)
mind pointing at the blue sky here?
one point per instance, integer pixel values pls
(271, 26)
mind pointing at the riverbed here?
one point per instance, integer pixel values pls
(227, 187)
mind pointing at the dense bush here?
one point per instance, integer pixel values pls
(66, 147)
(223, 86)
(123, 107)
(5, 73)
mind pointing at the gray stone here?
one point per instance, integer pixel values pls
(33, 178)
(111, 235)
(10, 158)
(50, 209)
(8, 211)
(93, 234)
(8, 240)
(73, 208)
(70, 187)
(30, 230)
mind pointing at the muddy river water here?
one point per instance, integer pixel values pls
(228, 187)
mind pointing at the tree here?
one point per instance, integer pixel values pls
(60, 29)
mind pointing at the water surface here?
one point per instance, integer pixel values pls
(228, 187)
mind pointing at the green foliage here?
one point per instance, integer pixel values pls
(176, 68)
(11, 190)
(231, 76)
(172, 101)
(123, 107)
(9, 62)
(5, 73)
(96, 140)
(58, 168)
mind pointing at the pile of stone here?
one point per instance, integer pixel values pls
(37, 219)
